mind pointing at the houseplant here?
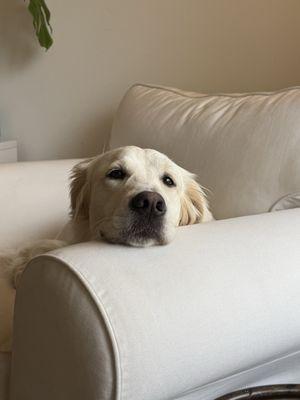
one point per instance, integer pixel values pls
(41, 22)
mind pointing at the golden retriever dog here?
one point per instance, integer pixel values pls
(130, 196)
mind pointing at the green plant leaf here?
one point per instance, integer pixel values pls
(41, 22)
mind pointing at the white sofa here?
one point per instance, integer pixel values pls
(216, 310)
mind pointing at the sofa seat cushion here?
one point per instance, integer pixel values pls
(244, 147)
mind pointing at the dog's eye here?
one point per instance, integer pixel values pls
(116, 174)
(167, 180)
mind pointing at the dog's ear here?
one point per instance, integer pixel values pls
(194, 206)
(80, 191)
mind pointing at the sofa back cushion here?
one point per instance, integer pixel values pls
(245, 148)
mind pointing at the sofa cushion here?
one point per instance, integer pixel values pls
(287, 202)
(244, 147)
(34, 200)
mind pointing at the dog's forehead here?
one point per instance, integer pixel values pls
(136, 157)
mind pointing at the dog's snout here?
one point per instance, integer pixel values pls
(150, 203)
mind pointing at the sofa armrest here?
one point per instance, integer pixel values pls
(101, 321)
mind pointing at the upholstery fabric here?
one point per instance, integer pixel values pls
(7, 299)
(5, 359)
(34, 201)
(34, 204)
(244, 147)
(216, 310)
(287, 202)
(61, 348)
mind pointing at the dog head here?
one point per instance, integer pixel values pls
(135, 196)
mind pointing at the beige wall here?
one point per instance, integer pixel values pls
(60, 104)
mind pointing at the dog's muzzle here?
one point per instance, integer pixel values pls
(147, 219)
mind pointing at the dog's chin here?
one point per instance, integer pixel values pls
(140, 234)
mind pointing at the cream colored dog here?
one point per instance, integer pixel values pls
(129, 195)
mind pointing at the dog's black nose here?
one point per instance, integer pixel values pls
(150, 203)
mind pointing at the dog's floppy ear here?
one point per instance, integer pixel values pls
(80, 191)
(194, 206)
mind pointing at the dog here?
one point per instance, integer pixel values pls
(129, 196)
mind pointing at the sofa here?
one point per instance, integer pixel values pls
(216, 310)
